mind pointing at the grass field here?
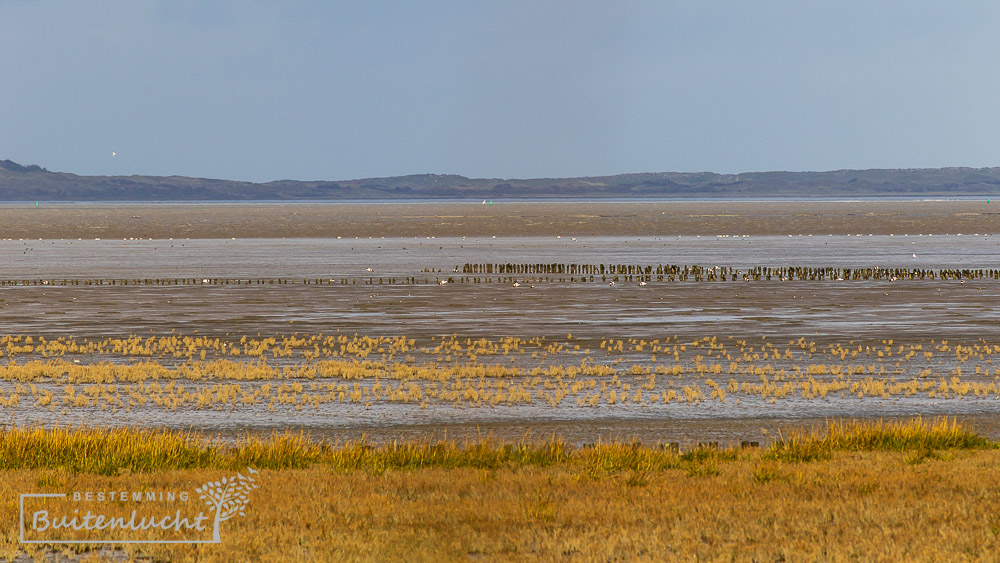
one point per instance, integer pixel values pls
(916, 490)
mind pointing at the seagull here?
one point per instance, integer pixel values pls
(369, 269)
(443, 282)
(642, 284)
(612, 284)
(517, 284)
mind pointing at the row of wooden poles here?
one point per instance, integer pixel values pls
(724, 273)
(531, 273)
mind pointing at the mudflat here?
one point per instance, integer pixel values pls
(516, 218)
(406, 269)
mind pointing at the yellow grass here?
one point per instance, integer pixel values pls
(869, 499)
(298, 372)
(112, 450)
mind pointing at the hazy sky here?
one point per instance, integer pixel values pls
(338, 90)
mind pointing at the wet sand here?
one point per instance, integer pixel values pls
(162, 221)
(821, 311)
(298, 241)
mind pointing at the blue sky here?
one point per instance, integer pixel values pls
(338, 90)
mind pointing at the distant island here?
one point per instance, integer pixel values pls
(34, 183)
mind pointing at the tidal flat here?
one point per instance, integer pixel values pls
(502, 218)
(655, 276)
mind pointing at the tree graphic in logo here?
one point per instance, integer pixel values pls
(228, 497)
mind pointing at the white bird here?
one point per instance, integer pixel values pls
(113, 154)
(443, 282)
(517, 284)
(642, 283)
(370, 269)
(914, 254)
(612, 284)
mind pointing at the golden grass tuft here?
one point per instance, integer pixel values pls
(103, 451)
(866, 435)
(111, 451)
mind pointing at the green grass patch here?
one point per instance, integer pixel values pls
(109, 451)
(903, 436)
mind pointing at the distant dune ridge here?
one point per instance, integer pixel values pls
(34, 183)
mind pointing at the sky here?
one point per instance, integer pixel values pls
(330, 90)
